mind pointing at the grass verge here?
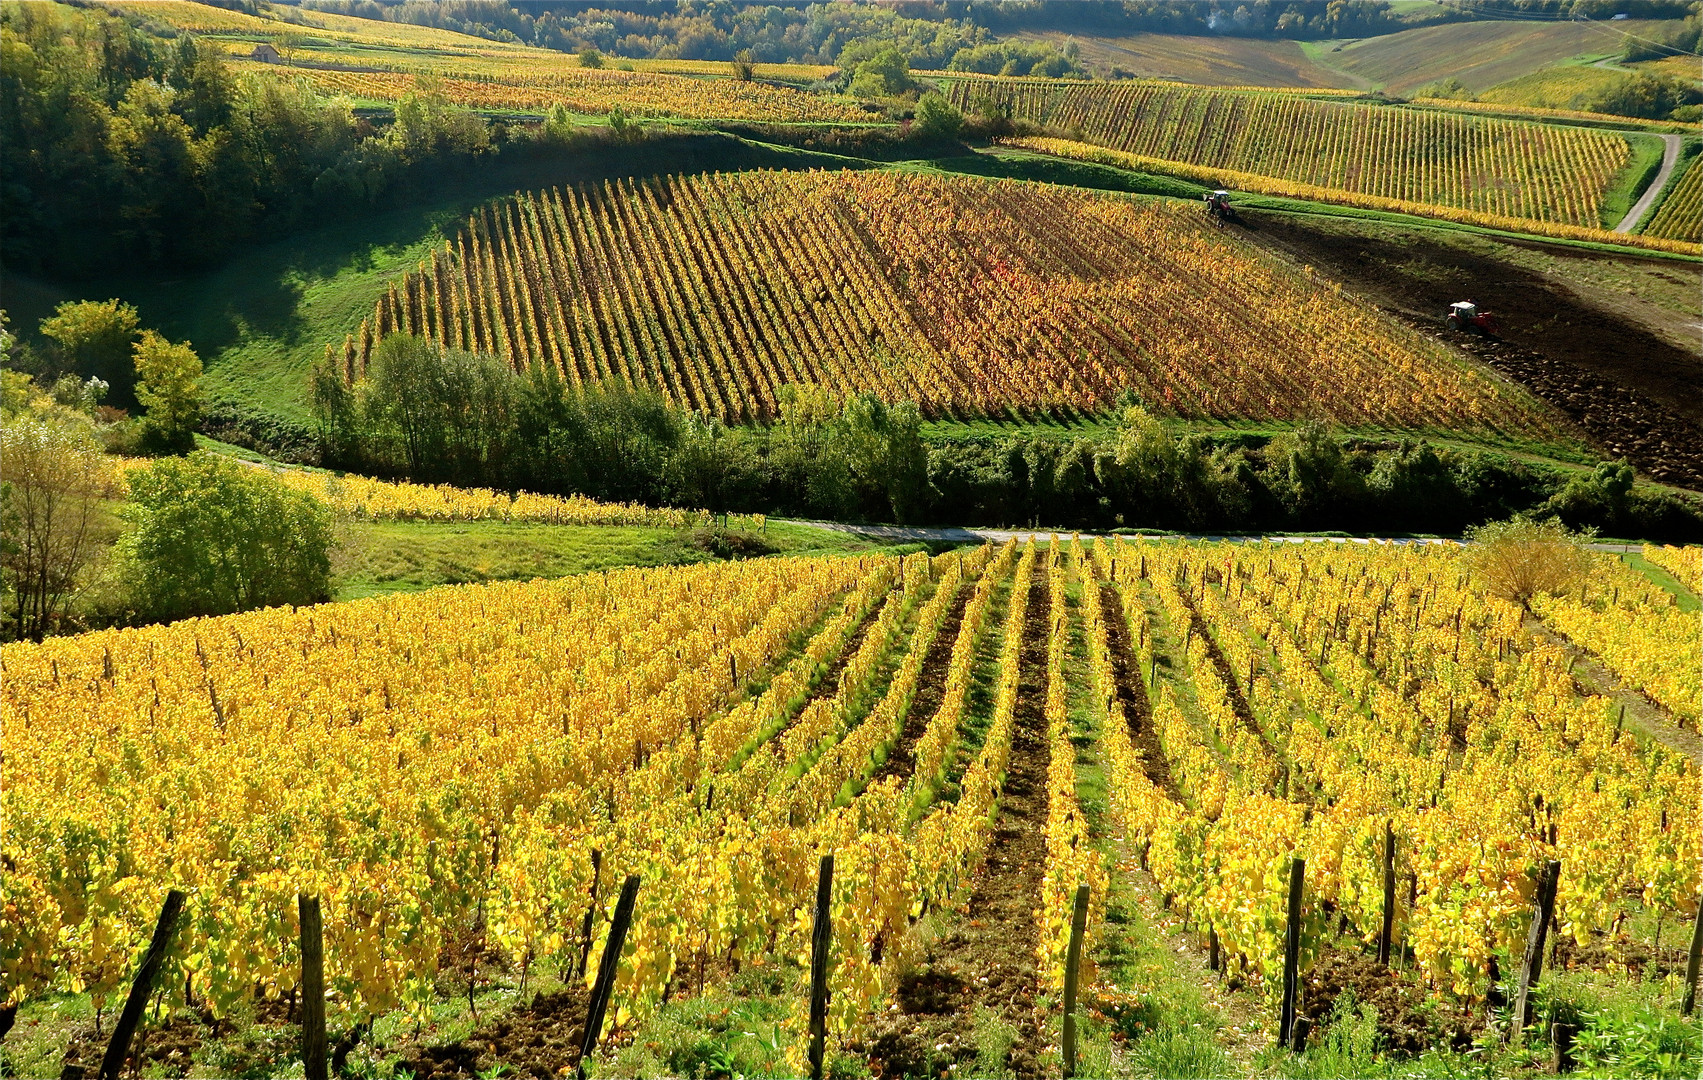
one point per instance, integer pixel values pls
(1629, 184)
(385, 557)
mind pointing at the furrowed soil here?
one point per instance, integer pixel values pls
(1575, 328)
(1138, 711)
(930, 692)
(1409, 1021)
(541, 1040)
(980, 973)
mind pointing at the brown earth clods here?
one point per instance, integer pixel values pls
(164, 1049)
(541, 1040)
(1637, 959)
(1632, 392)
(985, 960)
(1409, 1021)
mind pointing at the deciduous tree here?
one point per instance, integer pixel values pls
(168, 385)
(54, 524)
(207, 536)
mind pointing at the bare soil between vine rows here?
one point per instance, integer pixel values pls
(541, 1040)
(1138, 711)
(930, 692)
(1632, 392)
(1409, 1022)
(985, 958)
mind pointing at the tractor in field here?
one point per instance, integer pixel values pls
(1218, 207)
(1465, 315)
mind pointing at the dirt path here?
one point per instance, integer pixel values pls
(1232, 686)
(972, 997)
(1598, 678)
(1670, 158)
(930, 692)
(1132, 695)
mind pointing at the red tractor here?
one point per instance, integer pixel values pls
(1464, 315)
(1218, 207)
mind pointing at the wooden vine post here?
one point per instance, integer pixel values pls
(606, 970)
(1292, 954)
(1542, 909)
(1386, 932)
(313, 988)
(1691, 961)
(821, 937)
(119, 1048)
(1072, 970)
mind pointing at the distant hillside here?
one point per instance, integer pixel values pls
(1214, 61)
(1479, 54)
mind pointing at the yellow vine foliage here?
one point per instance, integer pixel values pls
(1509, 168)
(1266, 185)
(426, 762)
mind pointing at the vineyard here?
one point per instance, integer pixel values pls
(1265, 185)
(371, 61)
(1508, 168)
(1680, 216)
(480, 763)
(969, 297)
(539, 86)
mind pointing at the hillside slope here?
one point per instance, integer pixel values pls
(970, 297)
(1511, 168)
(1212, 61)
(1479, 54)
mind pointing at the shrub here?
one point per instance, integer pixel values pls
(168, 386)
(205, 535)
(1519, 558)
(936, 118)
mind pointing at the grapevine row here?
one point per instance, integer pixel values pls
(963, 295)
(1513, 169)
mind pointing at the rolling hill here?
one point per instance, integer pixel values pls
(967, 296)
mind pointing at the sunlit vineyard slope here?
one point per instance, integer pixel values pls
(1680, 217)
(442, 768)
(1504, 167)
(970, 297)
(372, 61)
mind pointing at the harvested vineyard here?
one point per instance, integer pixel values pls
(1680, 217)
(1508, 168)
(468, 773)
(969, 297)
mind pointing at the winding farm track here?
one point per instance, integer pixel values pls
(1670, 158)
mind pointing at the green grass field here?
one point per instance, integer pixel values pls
(407, 556)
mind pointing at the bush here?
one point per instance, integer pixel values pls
(936, 118)
(205, 535)
(726, 543)
(1519, 558)
(168, 386)
(53, 525)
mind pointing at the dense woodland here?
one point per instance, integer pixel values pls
(124, 145)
